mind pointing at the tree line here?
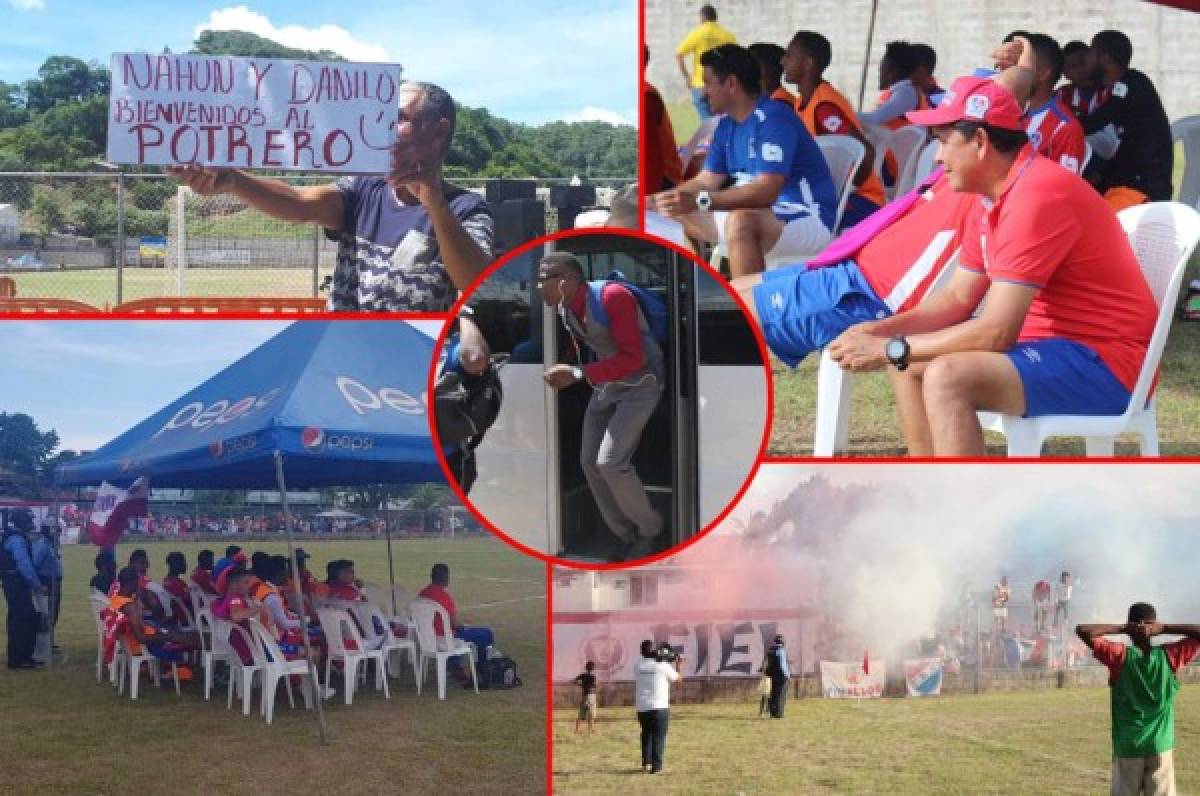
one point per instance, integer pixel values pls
(57, 121)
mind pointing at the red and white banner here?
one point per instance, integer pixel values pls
(113, 510)
(713, 645)
(849, 681)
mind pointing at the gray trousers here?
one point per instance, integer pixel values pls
(612, 429)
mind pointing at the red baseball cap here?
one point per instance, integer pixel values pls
(973, 99)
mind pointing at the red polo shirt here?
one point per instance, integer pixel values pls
(439, 595)
(1051, 230)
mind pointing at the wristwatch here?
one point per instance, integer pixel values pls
(897, 351)
(577, 372)
(704, 201)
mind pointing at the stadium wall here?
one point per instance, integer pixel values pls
(962, 31)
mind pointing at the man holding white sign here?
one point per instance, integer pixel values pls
(408, 241)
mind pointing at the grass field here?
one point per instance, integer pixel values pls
(1001, 742)
(61, 732)
(99, 287)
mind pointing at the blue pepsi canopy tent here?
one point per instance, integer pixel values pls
(343, 402)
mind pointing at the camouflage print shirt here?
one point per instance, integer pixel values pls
(388, 258)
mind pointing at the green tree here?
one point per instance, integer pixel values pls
(249, 45)
(24, 448)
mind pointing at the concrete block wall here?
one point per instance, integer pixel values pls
(962, 31)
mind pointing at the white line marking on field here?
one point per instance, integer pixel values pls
(508, 602)
(1082, 769)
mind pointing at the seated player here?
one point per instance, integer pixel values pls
(341, 582)
(221, 575)
(202, 575)
(438, 591)
(922, 77)
(664, 169)
(227, 561)
(769, 56)
(1130, 131)
(174, 585)
(825, 111)
(1082, 94)
(1067, 317)
(106, 573)
(1052, 128)
(131, 624)
(765, 190)
(898, 96)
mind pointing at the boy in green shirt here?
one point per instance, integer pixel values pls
(1143, 687)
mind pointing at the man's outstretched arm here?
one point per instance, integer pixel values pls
(318, 204)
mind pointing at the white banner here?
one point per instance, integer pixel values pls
(712, 647)
(220, 110)
(923, 676)
(113, 510)
(849, 681)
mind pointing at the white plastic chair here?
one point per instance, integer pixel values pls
(440, 648)
(214, 648)
(369, 617)
(832, 433)
(843, 154)
(241, 675)
(1163, 236)
(133, 666)
(926, 163)
(1187, 130)
(98, 603)
(338, 625)
(269, 659)
(1087, 157)
(906, 145)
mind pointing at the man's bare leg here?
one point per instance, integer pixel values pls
(699, 226)
(910, 409)
(744, 285)
(750, 233)
(955, 386)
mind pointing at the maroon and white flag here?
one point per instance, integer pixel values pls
(114, 508)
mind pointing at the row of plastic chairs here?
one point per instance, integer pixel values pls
(166, 305)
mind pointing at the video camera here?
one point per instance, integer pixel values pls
(665, 653)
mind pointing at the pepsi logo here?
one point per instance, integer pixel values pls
(312, 438)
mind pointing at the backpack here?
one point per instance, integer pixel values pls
(653, 306)
(498, 673)
(467, 406)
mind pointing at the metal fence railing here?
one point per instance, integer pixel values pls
(106, 238)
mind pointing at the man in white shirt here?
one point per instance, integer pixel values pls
(652, 681)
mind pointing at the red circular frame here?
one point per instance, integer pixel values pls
(576, 233)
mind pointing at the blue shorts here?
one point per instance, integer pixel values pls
(1063, 377)
(858, 207)
(801, 311)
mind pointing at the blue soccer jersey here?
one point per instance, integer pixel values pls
(773, 140)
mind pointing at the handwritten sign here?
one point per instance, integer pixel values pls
(256, 113)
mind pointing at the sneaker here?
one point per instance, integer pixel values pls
(326, 692)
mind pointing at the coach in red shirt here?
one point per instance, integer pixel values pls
(1067, 317)
(438, 590)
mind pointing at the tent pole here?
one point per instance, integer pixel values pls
(387, 529)
(317, 696)
(55, 585)
(862, 83)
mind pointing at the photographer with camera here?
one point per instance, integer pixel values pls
(658, 668)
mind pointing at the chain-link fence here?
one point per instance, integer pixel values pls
(107, 238)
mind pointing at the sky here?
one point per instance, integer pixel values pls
(91, 380)
(534, 61)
